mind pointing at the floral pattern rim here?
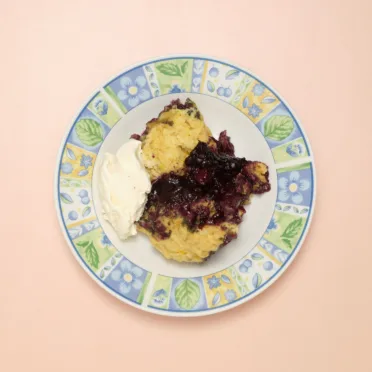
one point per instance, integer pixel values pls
(255, 271)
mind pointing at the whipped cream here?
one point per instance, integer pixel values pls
(123, 187)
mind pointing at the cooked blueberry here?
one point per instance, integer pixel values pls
(212, 189)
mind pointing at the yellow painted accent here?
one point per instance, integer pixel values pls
(78, 151)
(204, 76)
(293, 187)
(133, 90)
(272, 258)
(128, 277)
(257, 100)
(211, 292)
(81, 222)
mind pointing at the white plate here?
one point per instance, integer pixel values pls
(260, 125)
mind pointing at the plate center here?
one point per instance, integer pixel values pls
(248, 142)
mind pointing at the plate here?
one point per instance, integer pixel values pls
(261, 126)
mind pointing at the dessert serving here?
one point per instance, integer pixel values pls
(198, 189)
(185, 185)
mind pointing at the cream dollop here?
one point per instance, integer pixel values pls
(123, 186)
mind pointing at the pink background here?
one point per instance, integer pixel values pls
(317, 54)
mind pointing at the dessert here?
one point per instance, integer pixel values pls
(195, 201)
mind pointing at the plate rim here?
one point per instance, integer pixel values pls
(195, 313)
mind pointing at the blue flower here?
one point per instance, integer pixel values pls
(230, 295)
(86, 161)
(295, 149)
(66, 168)
(133, 91)
(127, 275)
(160, 292)
(254, 110)
(100, 106)
(175, 88)
(258, 89)
(159, 297)
(272, 225)
(214, 282)
(290, 188)
(105, 240)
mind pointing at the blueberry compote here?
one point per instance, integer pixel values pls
(211, 189)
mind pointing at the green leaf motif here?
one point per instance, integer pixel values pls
(86, 211)
(83, 244)
(154, 85)
(257, 256)
(89, 132)
(70, 154)
(256, 280)
(66, 198)
(232, 74)
(184, 67)
(187, 294)
(91, 255)
(237, 98)
(210, 86)
(278, 127)
(170, 69)
(292, 229)
(76, 183)
(216, 299)
(288, 243)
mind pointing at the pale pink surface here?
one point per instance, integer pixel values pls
(317, 317)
